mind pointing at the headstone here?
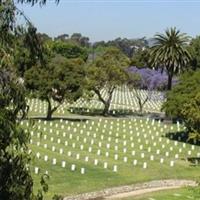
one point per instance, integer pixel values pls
(144, 165)
(73, 167)
(82, 170)
(115, 168)
(45, 158)
(63, 164)
(54, 161)
(95, 162)
(86, 159)
(105, 165)
(36, 170)
(134, 162)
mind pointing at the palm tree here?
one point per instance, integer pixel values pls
(170, 53)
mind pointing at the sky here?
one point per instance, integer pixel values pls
(109, 19)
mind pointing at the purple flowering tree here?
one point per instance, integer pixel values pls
(146, 79)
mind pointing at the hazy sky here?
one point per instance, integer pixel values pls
(109, 19)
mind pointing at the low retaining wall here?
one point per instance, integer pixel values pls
(130, 188)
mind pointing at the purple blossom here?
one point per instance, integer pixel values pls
(151, 79)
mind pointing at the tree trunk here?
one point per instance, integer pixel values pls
(140, 107)
(50, 110)
(169, 84)
(106, 108)
(141, 104)
(105, 102)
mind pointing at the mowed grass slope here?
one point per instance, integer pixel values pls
(101, 140)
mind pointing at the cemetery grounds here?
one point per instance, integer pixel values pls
(83, 152)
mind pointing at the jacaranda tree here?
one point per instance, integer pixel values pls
(146, 79)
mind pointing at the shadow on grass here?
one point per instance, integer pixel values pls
(99, 112)
(73, 119)
(183, 136)
(114, 113)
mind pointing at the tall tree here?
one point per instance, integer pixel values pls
(69, 49)
(183, 102)
(194, 49)
(146, 79)
(106, 73)
(170, 53)
(60, 80)
(15, 178)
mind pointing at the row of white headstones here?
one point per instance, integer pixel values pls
(122, 99)
(125, 159)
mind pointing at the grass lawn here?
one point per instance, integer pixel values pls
(177, 194)
(117, 142)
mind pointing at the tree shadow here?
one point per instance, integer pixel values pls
(114, 113)
(73, 119)
(181, 136)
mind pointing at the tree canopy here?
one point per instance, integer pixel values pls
(182, 101)
(60, 80)
(107, 72)
(170, 53)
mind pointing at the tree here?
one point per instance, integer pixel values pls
(194, 49)
(170, 53)
(186, 89)
(140, 58)
(33, 2)
(69, 49)
(60, 80)
(182, 101)
(62, 37)
(191, 115)
(146, 79)
(107, 72)
(15, 177)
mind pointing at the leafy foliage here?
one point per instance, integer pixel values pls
(107, 72)
(33, 2)
(128, 46)
(69, 50)
(61, 79)
(147, 79)
(182, 101)
(194, 49)
(140, 58)
(170, 53)
(15, 177)
(191, 115)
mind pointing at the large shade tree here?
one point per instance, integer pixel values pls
(183, 102)
(170, 52)
(194, 49)
(107, 72)
(60, 80)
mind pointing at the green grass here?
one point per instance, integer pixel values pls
(176, 194)
(140, 132)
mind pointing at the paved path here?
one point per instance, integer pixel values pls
(134, 190)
